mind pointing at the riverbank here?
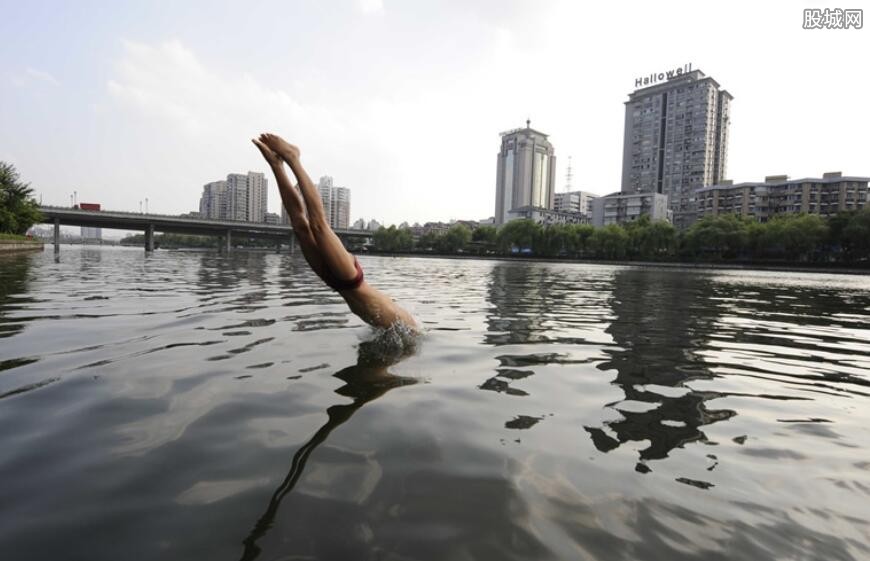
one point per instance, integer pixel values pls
(741, 266)
(18, 245)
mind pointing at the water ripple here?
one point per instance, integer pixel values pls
(549, 411)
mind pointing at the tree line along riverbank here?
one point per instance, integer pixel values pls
(806, 239)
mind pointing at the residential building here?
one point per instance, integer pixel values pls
(360, 224)
(676, 138)
(237, 197)
(336, 202)
(242, 197)
(437, 227)
(778, 195)
(272, 218)
(258, 197)
(526, 170)
(620, 208)
(213, 202)
(574, 202)
(547, 216)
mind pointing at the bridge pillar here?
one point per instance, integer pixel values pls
(292, 244)
(228, 239)
(149, 238)
(57, 235)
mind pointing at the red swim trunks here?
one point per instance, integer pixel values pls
(338, 284)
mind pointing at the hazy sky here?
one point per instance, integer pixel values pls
(402, 102)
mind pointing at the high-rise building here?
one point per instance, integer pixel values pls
(526, 172)
(213, 202)
(237, 197)
(340, 212)
(336, 202)
(242, 197)
(258, 194)
(676, 137)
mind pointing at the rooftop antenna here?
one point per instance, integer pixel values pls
(568, 177)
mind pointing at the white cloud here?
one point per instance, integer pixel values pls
(195, 123)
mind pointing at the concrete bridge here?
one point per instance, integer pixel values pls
(150, 223)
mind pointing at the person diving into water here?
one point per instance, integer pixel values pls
(321, 247)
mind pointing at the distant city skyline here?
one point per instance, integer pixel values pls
(126, 101)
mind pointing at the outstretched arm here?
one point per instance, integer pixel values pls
(335, 256)
(295, 209)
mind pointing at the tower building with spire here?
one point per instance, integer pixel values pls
(525, 173)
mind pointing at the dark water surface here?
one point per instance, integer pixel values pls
(194, 406)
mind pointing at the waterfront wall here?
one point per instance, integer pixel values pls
(10, 246)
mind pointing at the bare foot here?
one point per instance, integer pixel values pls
(270, 156)
(280, 146)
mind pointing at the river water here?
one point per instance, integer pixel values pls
(190, 405)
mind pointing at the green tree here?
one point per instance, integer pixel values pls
(803, 235)
(519, 234)
(428, 240)
(836, 227)
(455, 239)
(393, 239)
(856, 235)
(18, 210)
(756, 233)
(577, 242)
(551, 240)
(485, 234)
(649, 239)
(724, 236)
(609, 242)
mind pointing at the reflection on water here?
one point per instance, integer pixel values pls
(14, 270)
(660, 323)
(188, 405)
(365, 381)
